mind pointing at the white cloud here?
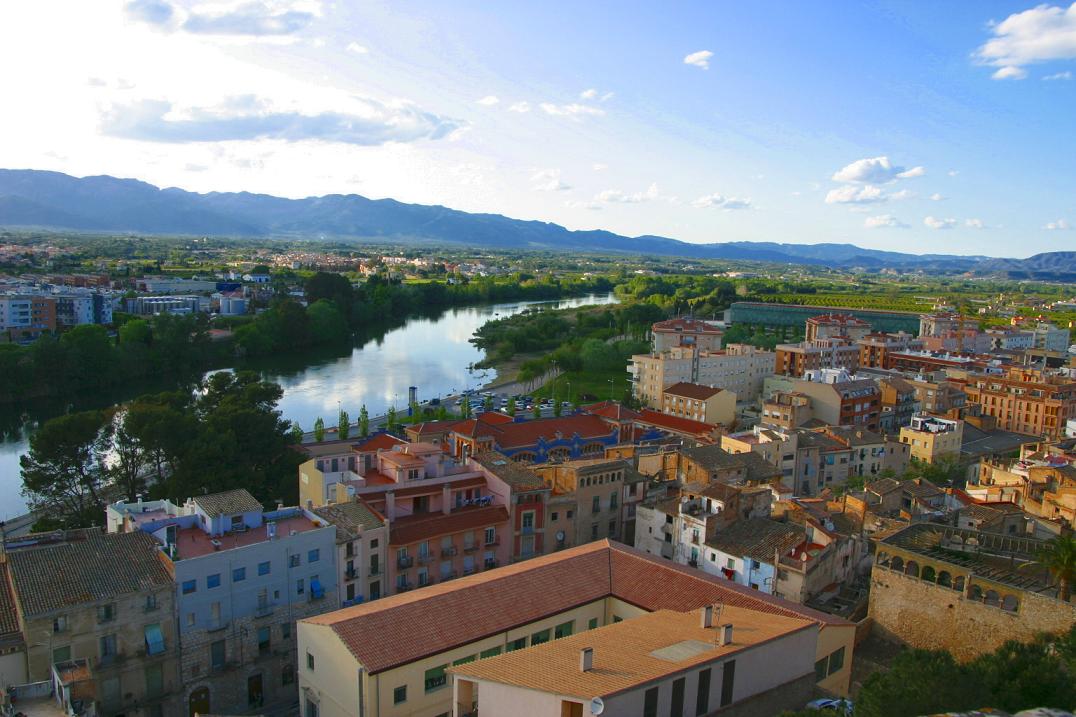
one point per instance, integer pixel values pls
(615, 196)
(357, 49)
(902, 194)
(875, 170)
(489, 100)
(884, 221)
(936, 223)
(588, 94)
(1041, 34)
(257, 18)
(1009, 72)
(974, 224)
(607, 96)
(699, 59)
(1066, 75)
(571, 110)
(576, 204)
(548, 180)
(850, 194)
(599, 166)
(521, 107)
(717, 200)
(935, 197)
(1059, 225)
(953, 172)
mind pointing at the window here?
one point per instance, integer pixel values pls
(836, 660)
(730, 563)
(294, 560)
(108, 647)
(564, 629)
(59, 623)
(676, 705)
(287, 675)
(820, 669)
(491, 652)
(373, 544)
(312, 708)
(517, 644)
(491, 536)
(154, 639)
(596, 504)
(553, 516)
(528, 520)
(285, 630)
(263, 568)
(312, 556)
(570, 513)
(61, 654)
(728, 682)
(702, 699)
(650, 703)
(309, 662)
(191, 619)
(106, 613)
(612, 501)
(593, 623)
(151, 603)
(399, 695)
(539, 637)
(154, 681)
(217, 655)
(212, 581)
(264, 639)
(239, 575)
(435, 678)
(300, 586)
(593, 531)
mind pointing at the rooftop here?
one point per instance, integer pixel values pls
(759, 539)
(194, 542)
(512, 473)
(694, 326)
(53, 571)
(350, 518)
(674, 423)
(9, 621)
(381, 634)
(230, 502)
(427, 526)
(694, 391)
(630, 653)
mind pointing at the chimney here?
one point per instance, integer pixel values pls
(586, 659)
(707, 616)
(726, 634)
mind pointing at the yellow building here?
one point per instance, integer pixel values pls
(932, 439)
(699, 403)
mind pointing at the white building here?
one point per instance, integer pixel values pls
(738, 368)
(1051, 338)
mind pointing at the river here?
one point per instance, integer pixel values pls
(433, 354)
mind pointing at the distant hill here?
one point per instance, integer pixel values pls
(33, 198)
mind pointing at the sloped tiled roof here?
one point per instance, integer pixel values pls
(230, 502)
(674, 423)
(758, 538)
(350, 518)
(413, 528)
(9, 621)
(713, 458)
(381, 634)
(87, 566)
(378, 441)
(692, 390)
(512, 473)
(613, 410)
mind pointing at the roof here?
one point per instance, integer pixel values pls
(378, 442)
(674, 423)
(758, 469)
(230, 502)
(613, 410)
(921, 488)
(629, 653)
(426, 526)
(381, 634)
(694, 326)
(9, 619)
(692, 390)
(855, 436)
(401, 459)
(431, 427)
(976, 442)
(758, 538)
(713, 458)
(528, 433)
(350, 518)
(57, 571)
(883, 486)
(512, 473)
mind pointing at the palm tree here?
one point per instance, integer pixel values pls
(1059, 557)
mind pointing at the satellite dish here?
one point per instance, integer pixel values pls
(560, 535)
(597, 706)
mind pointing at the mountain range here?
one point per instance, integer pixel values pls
(34, 198)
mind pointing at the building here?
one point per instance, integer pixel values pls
(898, 401)
(658, 663)
(835, 326)
(939, 395)
(939, 324)
(699, 403)
(839, 400)
(539, 440)
(153, 305)
(932, 439)
(26, 316)
(99, 606)
(1025, 400)
(362, 539)
(738, 368)
(829, 353)
(598, 488)
(1010, 339)
(1050, 338)
(370, 660)
(874, 348)
(77, 309)
(687, 332)
(242, 577)
(943, 588)
(526, 494)
(794, 315)
(786, 409)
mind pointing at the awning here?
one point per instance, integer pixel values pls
(315, 588)
(154, 640)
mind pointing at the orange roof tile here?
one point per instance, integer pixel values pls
(426, 526)
(674, 423)
(378, 441)
(692, 390)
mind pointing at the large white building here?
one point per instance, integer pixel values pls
(738, 368)
(1051, 338)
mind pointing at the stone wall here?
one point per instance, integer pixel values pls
(922, 614)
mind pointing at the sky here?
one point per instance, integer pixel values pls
(930, 127)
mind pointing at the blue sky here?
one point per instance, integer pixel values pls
(925, 127)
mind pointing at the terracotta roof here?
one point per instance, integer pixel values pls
(692, 390)
(758, 538)
(883, 486)
(612, 410)
(426, 526)
(381, 634)
(713, 458)
(430, 427)
(527, 433)
(512, 473)
(229, 502)
(378, 441)
(350, 518)
(674, 423)
(9, 620)
(694, 326)
(629, 653)
(495, 418)
(83, 566)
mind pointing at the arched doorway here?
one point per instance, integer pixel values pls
(199, 702)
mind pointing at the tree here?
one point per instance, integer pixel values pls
(1059, 558)
(391, 420)
(920, 682)
(465, 408)
(296, 433)
(63, 474)
(130, 459)
(512, 407)
(944, 472)
(331, 287)
(537, 412)
(487, 403)
(364, 422)
(343, 425)
(557, 409)
(319, 429)
(327, 322)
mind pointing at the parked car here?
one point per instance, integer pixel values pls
(839, 705)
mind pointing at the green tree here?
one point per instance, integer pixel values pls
(465, 407)
(920, 682)
(319, 429)
(364, 422)
(487, 403)
(63, 475)
(296, 433)
(343, 425)
(557, 409)
(537, 411)
(391, 420)
(512, 407)
(1059, 558)
(330, 287)
(327, 322)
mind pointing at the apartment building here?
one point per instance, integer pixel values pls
(874, 348)
(938, 324)
(76, 309)
(938, 395)
(699, 403)
(686, 332)
(752, 553)
(821, 462)
(839, 400)
(370, 660)
(931, 439)
(664, 662)
(26, 316)
(829, 353)
(1010, 339)
(835, 326)
(526, 495)
(871, 453)
(1025, 400)
(96, 615)
(786, 409)
(362, 539)
(1050, 338)
(242, 577)
(738, 368)
(598, 486)
(898, 403)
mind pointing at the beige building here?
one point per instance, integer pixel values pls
(738, 368)
(699, 403)
(666, 662)
(787, 409)
(596, 489)
(932, 439)
(362, 538)
(371, 660)
(690, 333)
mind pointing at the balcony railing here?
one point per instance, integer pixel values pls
(351, 573)
(448, 552)
(375, 570)
(405, 562)
(470, 548)
(404, 587)
(448, 576)
(496, 541)
(471, 570)
(424, 558)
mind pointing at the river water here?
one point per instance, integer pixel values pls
(431, 353)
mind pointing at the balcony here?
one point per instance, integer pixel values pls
(375, 570)
(111, 660)
(490, 564)
(448, 552)
(404, 562)
(351, 574)
(495, 541)
(424, 558)
(448, 576)
(470, 548)
(527, 530)
(404, 587)
(470, 570)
